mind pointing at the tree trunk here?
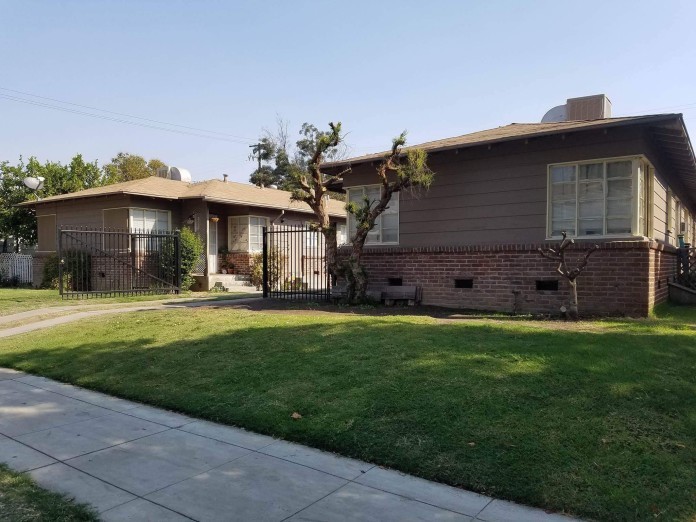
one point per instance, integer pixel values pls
(573, 309)
(331, 252)
(355, 274)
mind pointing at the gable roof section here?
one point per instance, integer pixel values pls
(211, 190)
(513, 131)
(667, 131)
(247, 194)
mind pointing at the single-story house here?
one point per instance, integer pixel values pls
(228, 216)
(472, 240)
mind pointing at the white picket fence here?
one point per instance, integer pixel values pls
(16, 265)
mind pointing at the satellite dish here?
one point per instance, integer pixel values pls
(178, 174)
(558, 113)
(34, 183)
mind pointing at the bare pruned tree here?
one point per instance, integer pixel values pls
(396, 172)
(310, 183)
(559, 255)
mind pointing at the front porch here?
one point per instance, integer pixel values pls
(223, 282)
(232, 235)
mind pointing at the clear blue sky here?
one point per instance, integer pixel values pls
(438, 69)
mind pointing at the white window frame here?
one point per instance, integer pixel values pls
(342, 233)
(260, 233)
(248, 219)
(378, 222)
(639, 163)
(142, 209)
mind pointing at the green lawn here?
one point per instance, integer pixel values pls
(597, 419)
(23, 501)
(15, 300)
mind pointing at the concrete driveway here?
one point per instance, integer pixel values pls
(137, 463)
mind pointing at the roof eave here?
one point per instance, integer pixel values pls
(264, 205)
(551, 132)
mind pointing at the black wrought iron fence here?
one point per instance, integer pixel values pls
(687, 266)
(294, 264)
(108, 262)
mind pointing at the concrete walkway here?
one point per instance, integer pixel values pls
(134, 462)
(77, 312)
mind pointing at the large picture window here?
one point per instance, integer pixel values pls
(599, 198)
(146, 220)
(245, 233)
(143, 221)
(386, 230)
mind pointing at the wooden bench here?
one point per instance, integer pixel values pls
(389, 294)
(410, 294)
(340, 292)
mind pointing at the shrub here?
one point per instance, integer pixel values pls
(77, 271)
(275, 262)
(9, 282)
(191, 247)
(50, 272)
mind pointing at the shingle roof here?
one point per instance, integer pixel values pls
(510, 132)
(211, 190)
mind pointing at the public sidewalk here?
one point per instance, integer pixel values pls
(134, 462)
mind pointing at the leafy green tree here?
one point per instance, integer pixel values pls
(128, 167)
(63, 179)
(16, 223)
(282, 164)
(19, 222)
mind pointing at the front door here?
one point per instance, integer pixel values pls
(212, 247)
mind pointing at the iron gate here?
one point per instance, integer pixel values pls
(294, 264)
(108, 262)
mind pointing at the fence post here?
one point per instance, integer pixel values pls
(265, 262)
(177, 246)
(60, 262)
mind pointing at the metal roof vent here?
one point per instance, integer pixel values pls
(174, 173)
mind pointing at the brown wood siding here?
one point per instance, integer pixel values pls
(115, 218)
(83, 212)
(660, 209)
(497, 195)
(46, 233)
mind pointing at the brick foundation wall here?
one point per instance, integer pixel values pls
(111, 273)
(663, 269)
(241, 261)
(620, 278)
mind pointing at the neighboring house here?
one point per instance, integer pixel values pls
(228, 216)
(471, 241)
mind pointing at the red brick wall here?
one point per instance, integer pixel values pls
(618, 280)
(114, 273)
(663, 261)
(241, 261)
(38, 264)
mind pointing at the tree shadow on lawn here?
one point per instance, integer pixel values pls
(598, 424)
(379, 310)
